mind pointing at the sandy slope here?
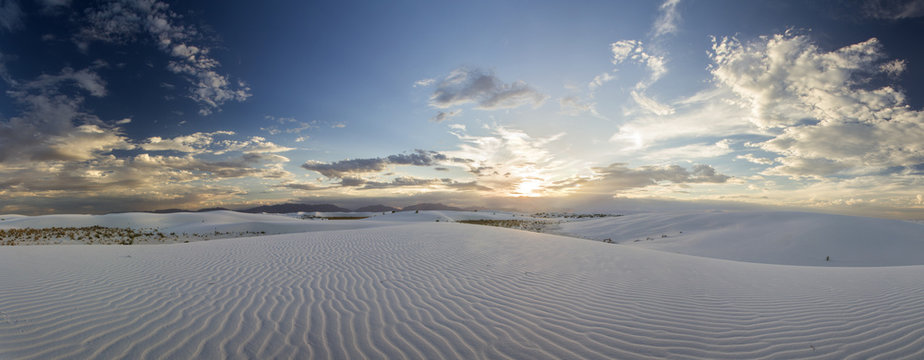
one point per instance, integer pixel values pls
(441, 290)
(791, 238)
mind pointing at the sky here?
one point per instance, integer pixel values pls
(133, 105)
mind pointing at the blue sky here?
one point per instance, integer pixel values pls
(144, 104)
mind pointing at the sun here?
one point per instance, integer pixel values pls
(529, 187)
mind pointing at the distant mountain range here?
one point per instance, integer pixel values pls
(169, 211)
(293, 208)
(429, 206)
(377, 208)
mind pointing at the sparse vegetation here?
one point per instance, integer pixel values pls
(529, 225)
(101, 235)
(549, 215)
(307, 217)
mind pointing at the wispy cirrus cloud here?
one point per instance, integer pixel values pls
(10, 15)
(893, 9)
(667, 20)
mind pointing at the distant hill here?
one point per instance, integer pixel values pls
(291, 208)
(429, 206)
(376, 208)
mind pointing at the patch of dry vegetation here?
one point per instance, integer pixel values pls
(528, 225)
(550, 215)
(312, 217)
(101, 235)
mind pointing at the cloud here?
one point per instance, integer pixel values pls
(424, 82)
(667, 20)
(510, 161)
(199, 142)
(4, 74)
(599, 80)
(10, 15)
(894, 195)
(651, 105)
(255, 144)
(445, 115)
(411, 182)
(124, 21)
(634, 50)
(141, 182)
(84, 143)
(50, 6)
(202, 142)
(417, 158)
(754, 159)
(691, 151)
(281, 120)
(123, 121)
(618, 176)
(341, 169)
(52, 125)
(786, 78)
(403, 181)
(193, 168)
(819, 107)
(51, 84)
(301, 186)
(893, 9)
(298, 127)
(572, 106)
(475, 86)
(707, 114)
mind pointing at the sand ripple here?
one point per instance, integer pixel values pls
(428, 291)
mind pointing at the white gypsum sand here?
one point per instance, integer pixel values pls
(789, 238)
(443, 290)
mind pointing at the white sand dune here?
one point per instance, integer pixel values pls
(790, 238)
(440, 290)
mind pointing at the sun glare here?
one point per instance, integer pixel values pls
(529, 187)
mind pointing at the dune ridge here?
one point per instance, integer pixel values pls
(438, 290)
